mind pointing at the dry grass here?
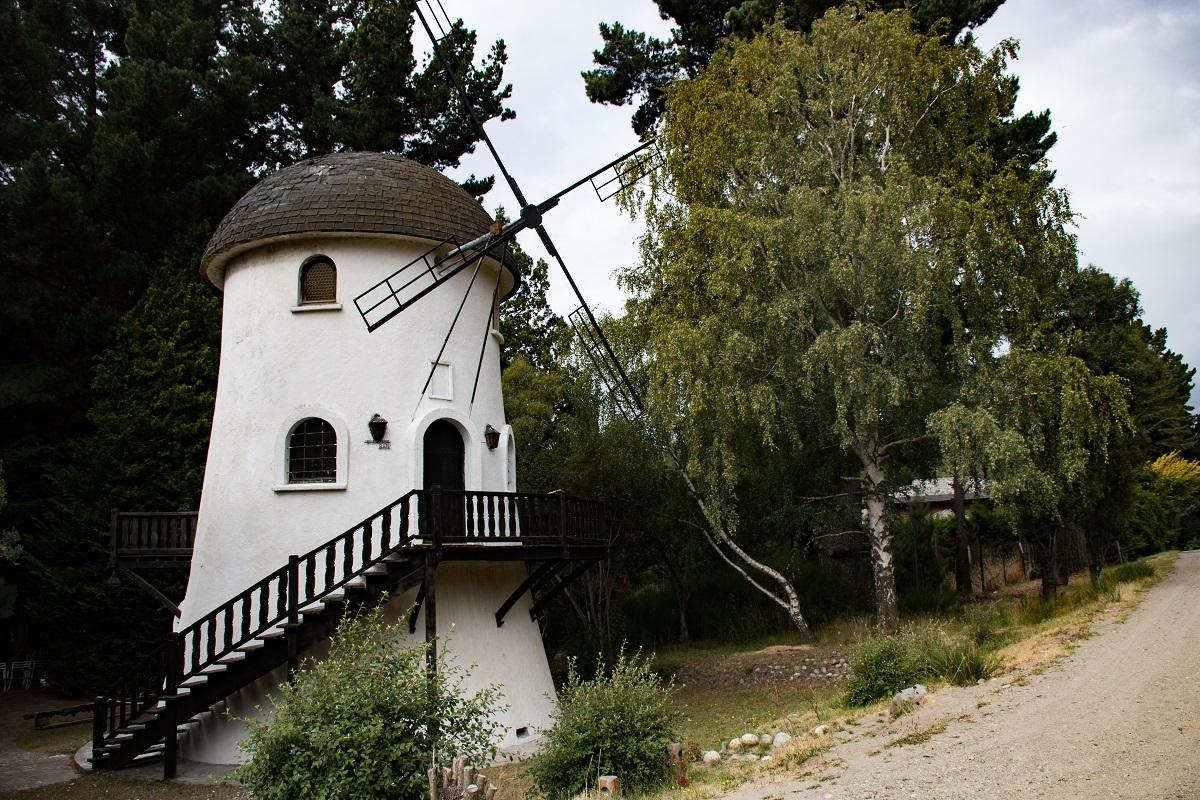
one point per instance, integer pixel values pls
(922, 735)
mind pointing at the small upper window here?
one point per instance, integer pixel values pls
(312, 452)
(318, 281)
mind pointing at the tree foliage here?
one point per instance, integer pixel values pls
(810, 278)
(131, 127)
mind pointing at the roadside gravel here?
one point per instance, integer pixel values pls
(1118, 718)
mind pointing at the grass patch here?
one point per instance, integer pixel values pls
(964, 663)
(712, 716)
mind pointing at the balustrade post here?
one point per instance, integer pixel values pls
(293, 614)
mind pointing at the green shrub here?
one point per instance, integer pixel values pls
(883, 665)
(963, 663)
(357, 724)
(617, 723)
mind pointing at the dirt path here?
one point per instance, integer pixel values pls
(1119, 718)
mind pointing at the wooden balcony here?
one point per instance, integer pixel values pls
(152, 539)
(460, 525)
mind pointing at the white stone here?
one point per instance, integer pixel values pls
(764, 760)
(765, 739)
(750, 739)
(907, 699)
(735, 744)
(711, 757)
(781, 739)
(820, 730)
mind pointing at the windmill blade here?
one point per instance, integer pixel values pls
(637, 165)
(531, 215)
(443, 261)
(590, 337)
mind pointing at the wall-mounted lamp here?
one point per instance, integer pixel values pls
(378, 427)
(492, 437)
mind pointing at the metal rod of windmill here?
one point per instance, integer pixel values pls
(531, 214)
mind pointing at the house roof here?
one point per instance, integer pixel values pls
(364, 193)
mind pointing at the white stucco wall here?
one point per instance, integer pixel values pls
(281, 363)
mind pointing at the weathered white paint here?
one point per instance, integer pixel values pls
(281, 363)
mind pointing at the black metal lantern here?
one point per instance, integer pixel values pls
(378, 427)
(492, 437)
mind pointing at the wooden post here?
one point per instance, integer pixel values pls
(562, 521)
(609, 786)
(98, 714)
(982, 579)
(112, 547)
(171, 735)
(431, 643)
(433, 792)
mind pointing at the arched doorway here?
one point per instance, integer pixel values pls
(444, 469)
(443, 457)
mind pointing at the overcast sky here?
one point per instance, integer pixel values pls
(1120, 77)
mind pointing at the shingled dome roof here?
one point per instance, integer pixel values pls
(373, 194)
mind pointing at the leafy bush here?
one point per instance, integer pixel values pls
(358, 723)
(617, 723)
(883, 665)
(962, 663)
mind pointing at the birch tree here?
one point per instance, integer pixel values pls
(829, 249)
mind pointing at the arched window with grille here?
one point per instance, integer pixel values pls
(312, 452)
(318, 281)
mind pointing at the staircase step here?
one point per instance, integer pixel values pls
(252, 646)
(195, 680)
(232, 658)
(376, 569)
(273, 633)
(214, 668)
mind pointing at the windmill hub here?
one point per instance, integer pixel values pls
(531, 215)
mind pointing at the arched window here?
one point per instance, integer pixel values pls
(312, 452)
(318, 281)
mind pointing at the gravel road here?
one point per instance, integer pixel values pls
(1119, 718)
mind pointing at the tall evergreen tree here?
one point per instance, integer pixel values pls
(131, 127)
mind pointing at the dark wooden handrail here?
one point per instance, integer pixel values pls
(436, 518)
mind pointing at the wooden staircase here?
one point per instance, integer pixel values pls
(300, 604)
